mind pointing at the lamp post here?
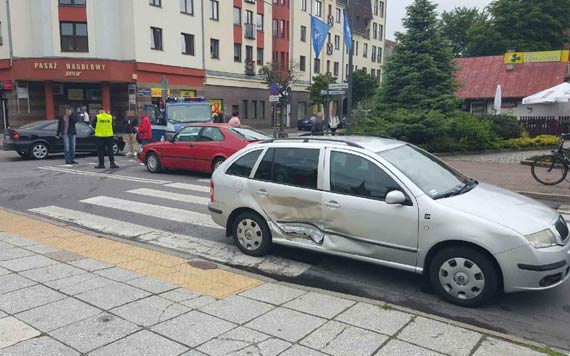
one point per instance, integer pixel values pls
(351, 10)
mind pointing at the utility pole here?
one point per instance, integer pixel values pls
(275, 29)
(351, 10)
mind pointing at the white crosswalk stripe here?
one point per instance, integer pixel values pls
(194, 187)
(105, 175)
(157, 211)
(186, 198)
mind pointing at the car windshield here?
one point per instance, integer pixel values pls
(429, 173)
(249, 133)
(189, 113)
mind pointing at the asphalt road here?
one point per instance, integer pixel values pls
(158, 210)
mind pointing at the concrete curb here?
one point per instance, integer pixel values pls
(547, 196)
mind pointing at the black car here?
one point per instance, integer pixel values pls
(37, 140)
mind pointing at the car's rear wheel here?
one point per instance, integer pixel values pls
(252, 234)
(217, 163)
(464, 276)
(116, 149)
(39, 150)
(153, 163)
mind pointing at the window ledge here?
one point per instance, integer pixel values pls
(188, 54)
(157, 49)
(70, 5)
(187, 13)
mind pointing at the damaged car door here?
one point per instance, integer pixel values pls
(285, 186)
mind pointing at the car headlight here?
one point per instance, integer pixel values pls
(542, 239)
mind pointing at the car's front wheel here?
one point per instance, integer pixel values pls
(252, 234)
(39, 150)
(464, 276)
(153, 163)
(116, 149)
(217, 163)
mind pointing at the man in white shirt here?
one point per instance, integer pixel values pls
(84, 114)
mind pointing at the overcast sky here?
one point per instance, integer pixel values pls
(397, 10)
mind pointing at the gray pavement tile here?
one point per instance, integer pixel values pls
(58, 314)
(193, 353)
(13, 253)
(80, 283)
(118, 274)
(4, 245)
(28, 298)
(397, 347)
(286, 324)
(237, 309)
(193, 328)
(378, 319)
(50, 273)
(112, 296)
(244, 341)
(94, 332)
(142, 343)
(64, 256)
(13, 331)
(42, 249)
(298, 350)
(17, 241)
(4, 271)
(25, 263)
(273, 293)
(2, 314)
(12, 282)
(152, 285)
(437, 336)
(150, 311)
(199, 302)
(40, 346)
(180, 295)
(89, 264)
(492, 347)
(340, 339)
(322, 305)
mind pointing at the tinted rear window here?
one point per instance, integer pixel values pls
(243, 166)
(290, 166)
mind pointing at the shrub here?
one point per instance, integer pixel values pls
(538, 141)
(504, 126)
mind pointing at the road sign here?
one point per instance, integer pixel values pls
(337, 86)
(273, 98)
(337, 92)
(274, 89)
(324, 92)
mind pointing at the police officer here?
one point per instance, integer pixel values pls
(103, 124)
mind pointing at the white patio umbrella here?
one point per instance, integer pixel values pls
(557, 94)
(498, 100)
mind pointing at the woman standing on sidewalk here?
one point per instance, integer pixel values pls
(66, 130)
(145, 130)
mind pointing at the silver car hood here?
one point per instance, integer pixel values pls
(511, 210)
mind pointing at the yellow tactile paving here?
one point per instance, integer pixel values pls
(215, 282)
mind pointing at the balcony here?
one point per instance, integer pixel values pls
(249, 31)
(249, 67)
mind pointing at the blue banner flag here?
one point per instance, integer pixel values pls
(320, 31)
(347, 32)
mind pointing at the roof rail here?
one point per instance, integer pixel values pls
(308, 139)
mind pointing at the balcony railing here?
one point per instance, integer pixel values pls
(249, 30)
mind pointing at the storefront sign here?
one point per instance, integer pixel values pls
(132, 99)
(145, 92)
(75, 94)
(217, 106)
(71, 69)
(156, 92)
(536, 57)
(7, 85)
(23, 93)
(187, 93)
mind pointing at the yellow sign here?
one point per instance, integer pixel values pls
(536, 57)
(157, 92)
(187, 93)
(217, 106)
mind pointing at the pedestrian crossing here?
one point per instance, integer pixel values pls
(176, 202)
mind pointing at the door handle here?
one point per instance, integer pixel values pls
(262, 192)
(332, 204)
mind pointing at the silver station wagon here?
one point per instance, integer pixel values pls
(388, 202)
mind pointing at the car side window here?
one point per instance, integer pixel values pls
(82, 129)
(188, 134)
(354, 175)
(211, 134)
(52, 126)
(291, 166)
(243, 166)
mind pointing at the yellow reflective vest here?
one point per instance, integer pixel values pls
(104, 126)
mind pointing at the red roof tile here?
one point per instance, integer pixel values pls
(479, 77)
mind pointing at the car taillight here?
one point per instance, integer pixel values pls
(15, 136)
(211, 191)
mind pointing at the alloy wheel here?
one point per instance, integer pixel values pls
(40, 151)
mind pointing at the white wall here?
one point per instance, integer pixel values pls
(4, 48)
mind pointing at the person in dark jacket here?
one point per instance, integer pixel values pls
(66, 130)
(130, 135)
(317, 127)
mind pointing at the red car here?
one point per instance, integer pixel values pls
(198, 147)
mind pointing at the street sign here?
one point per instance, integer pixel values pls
(274, 89)
(337, 86)
(337, 92)
(273, 98)
(324, 92)
(143, 92)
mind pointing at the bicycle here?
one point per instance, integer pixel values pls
(552, 169)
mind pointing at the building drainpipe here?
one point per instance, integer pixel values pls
(204, 46)
(9, 23)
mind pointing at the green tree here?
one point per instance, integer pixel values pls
(527, 25)
(420, 74)
(456, 23)
(320, 82)
(363, 86)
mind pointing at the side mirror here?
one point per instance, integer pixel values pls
(169, 137)
(395, 197)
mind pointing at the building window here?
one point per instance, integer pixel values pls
(76, 2)
(356, 49)
(379, 57)
(317, 65)
(1, 39)
(365, 50)
(328, 66)
(303, 34)
(259, 22)
(214, 48)
(282, 28)
(275, 27)
(254, 108)
(381, 9)
(318, 8)
(74, 37)
(214, 10)
(155, 2)
(304, 5)
(244, 114)
(373, 54)
(248, 53)
(302, 63)
(262, 109)
(187, 7)
(260, 56)
(338, 15)
(156, 38)
(373, 73)
(336, 67)
(282, 62)
(375, 31)
(237, 16)
(187, 44)
(375, 7)
(237, 52)
(336, 42)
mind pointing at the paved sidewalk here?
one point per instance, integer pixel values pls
(62, 301)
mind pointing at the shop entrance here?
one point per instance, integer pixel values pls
(77, 95)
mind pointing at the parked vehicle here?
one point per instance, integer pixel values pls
(390, 203)
(553, 168)
(305, 123)
(198, 147)
(37, 140)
